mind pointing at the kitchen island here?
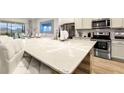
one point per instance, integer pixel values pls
(61, 56)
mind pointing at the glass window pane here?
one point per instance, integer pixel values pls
(3, 28)
(9, 27)
(46, 27)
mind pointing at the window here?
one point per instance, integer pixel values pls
(10, 27)
(46, 27)
(3, 26)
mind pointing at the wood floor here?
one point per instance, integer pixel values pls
(96, 65)
(103, 66)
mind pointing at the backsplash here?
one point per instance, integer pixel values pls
(84, 33)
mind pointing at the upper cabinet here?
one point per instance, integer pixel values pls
(123, 22)
(117, 23)
(113, 23)
(78, 23)
(83, 23)
(87, 23)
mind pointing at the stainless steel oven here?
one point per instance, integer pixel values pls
(103, 49)
(103, 46)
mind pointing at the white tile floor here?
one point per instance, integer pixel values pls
(27, 66)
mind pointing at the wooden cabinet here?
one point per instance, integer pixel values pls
(103, 66)
(83, 23)
(85, 66)
(117, 23)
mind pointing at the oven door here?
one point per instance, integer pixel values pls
(101, 45)
(103, 49)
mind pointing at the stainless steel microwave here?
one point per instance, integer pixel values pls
(101, 23)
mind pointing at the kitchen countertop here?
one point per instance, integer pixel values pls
(62, 56)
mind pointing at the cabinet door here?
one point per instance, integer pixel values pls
(117, 22)
(87, 23)
(78, 23)
(118, 50)
(123, 22)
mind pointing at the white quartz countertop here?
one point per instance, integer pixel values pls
(62, 56)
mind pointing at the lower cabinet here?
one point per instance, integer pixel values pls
(103, 66)
(84, 67)
(118, 49)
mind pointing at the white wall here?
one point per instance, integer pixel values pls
(57, 23)
(34, 23)
(65, 20)
(37, 22)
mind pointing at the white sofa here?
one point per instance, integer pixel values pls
(11, 52)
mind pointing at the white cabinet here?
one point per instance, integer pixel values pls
(78, 23)
(123, 22)
(83, 23)
(87, 23)
(65, 20)
(118, 49)
(117, 23)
